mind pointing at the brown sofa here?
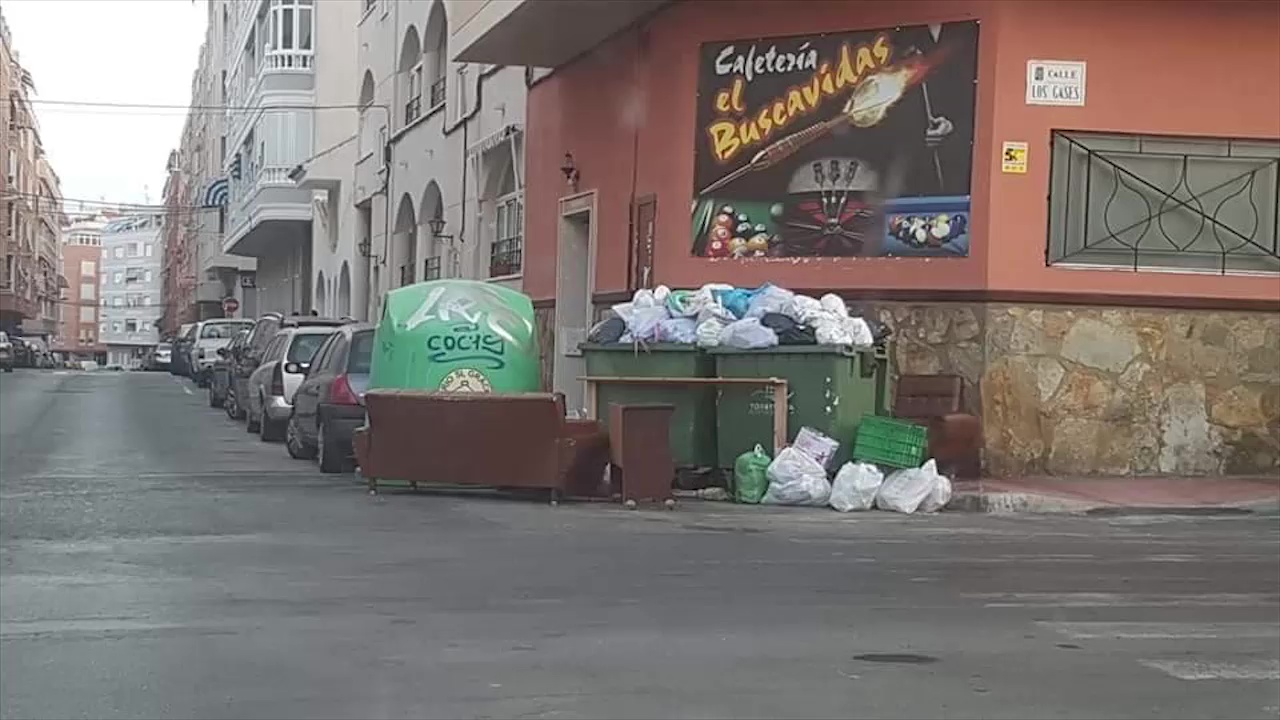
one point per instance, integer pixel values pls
(955, 437)
(501, 441)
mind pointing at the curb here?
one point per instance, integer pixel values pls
(1032, 503)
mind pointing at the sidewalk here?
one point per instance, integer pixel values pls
(1118, 495)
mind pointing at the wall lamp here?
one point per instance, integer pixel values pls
(436, 225)
(570, 170)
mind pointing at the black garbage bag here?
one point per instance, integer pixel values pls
(609, 330)
(880, 332)
(789, 332)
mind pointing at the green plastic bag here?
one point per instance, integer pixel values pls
(750, 476)
(456, 336)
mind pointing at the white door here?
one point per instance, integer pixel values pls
(574, 262)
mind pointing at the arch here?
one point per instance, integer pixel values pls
(410, 50)
(321, 293)
(344, 291)
(432, 207)
(406, 242)
(435, 43)
(366, 90)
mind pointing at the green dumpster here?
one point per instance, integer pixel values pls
(829, 388)
(693, 427)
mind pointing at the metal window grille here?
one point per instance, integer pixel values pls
(1152, 203)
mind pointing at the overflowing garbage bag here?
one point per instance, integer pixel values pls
(751, 476)
(797, 479)
(855, 486)
(906, 491)
(744, 318)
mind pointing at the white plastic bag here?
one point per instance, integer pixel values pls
(859, 331)
(938, 497)
(803, 309)
(832, 303)
(678, 330)
(828, 330)
(770, 299)
(625, 310)
(660, 294)
(748, 334)
(645, 324)
(903, 491)
(856, 486)
(708, 332)
(842, 331)
(644, 299)
(796, 479)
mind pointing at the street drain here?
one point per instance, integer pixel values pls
(898, 658)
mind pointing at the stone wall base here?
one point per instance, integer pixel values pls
(1072, 390)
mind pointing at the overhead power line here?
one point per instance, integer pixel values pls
(220, 108)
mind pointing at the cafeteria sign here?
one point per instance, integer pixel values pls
(841, 144)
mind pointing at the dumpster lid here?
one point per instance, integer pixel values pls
(845, 350)
(639, 347)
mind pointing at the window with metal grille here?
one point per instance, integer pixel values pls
(413, 106)
(1153, 203)
(431, 268)
(506, 254)
(437, 92)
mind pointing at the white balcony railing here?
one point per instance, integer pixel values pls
(287, 60)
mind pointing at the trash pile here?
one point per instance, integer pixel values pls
(722, 315)
(798, 476)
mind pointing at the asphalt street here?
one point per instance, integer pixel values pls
(158, 562)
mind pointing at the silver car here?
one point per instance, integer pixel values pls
(209, 336)
(269, 400)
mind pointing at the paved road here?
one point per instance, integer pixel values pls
(160, 563)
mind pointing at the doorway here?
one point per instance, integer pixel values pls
(575, 284)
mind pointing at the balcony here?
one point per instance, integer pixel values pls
(272, 205)
(281, 77)
(537, 33)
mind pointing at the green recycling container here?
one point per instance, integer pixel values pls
(829, 388)
(456, 336)
(693, 427)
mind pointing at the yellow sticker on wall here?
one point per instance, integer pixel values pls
(1013, 158)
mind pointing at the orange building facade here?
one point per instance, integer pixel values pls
(81, 263)
(1101, 266)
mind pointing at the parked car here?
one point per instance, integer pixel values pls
(210, 335)
(179, 360)
(329, 404)
(160, 357)
(6, 352)
(249, 356)
(272, 384)
(220, 371)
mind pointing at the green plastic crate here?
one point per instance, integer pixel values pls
(890, 442)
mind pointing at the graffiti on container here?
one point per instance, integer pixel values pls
(761, 402)
(468, 343)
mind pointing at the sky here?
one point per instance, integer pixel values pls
(113, 51)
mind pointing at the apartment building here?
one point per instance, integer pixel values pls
(130, 304)
(439, 186)
(31, 230)
(78, 337)
(177, 275)
(272, 50)
(199, 275)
